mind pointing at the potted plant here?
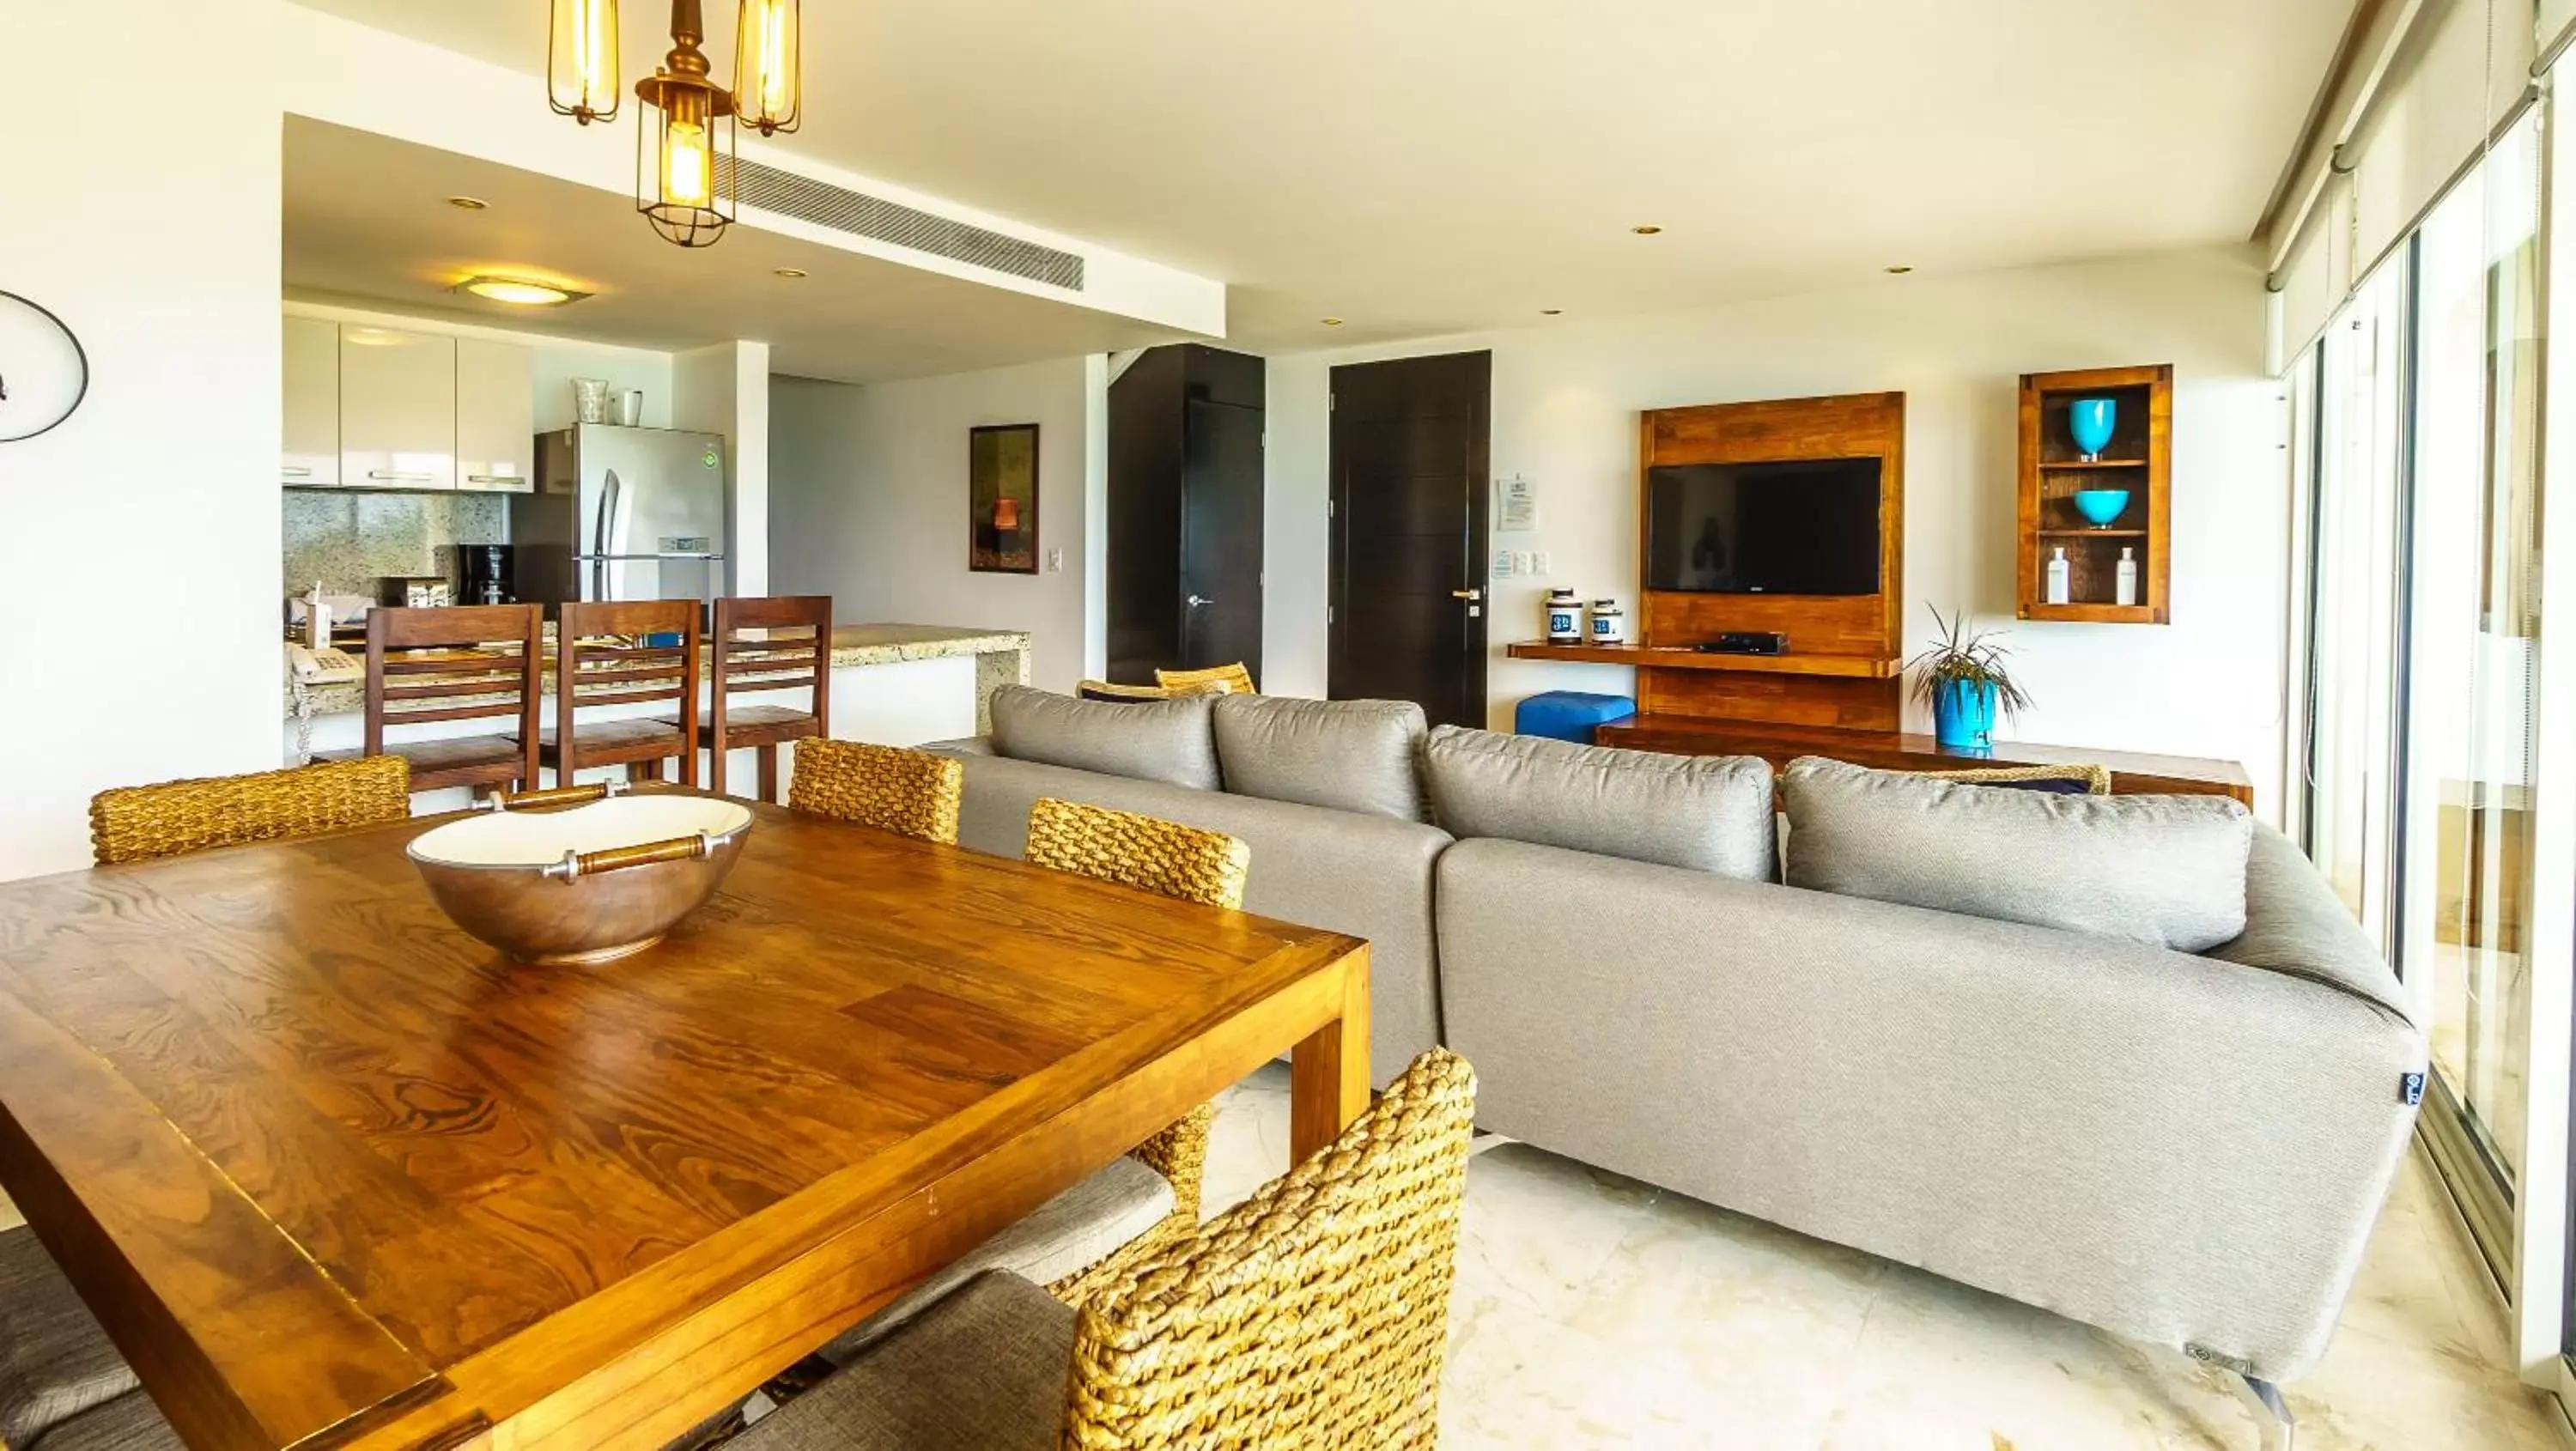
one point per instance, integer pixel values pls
(1963, 679)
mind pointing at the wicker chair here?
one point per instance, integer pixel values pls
(1314, 1314)
(144, 823)
(1236, 679)
(2096, 780)
(1205, 867)
(910, 793)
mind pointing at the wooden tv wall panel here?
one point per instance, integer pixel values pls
(1865, 425)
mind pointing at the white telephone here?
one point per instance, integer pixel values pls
(323, 667)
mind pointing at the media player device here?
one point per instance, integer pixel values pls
(1746, 642)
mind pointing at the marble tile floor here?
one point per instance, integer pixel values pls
(1593, 1310)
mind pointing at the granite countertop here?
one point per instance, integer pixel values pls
(853, 646)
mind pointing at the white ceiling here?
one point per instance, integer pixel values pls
(1424, 166)
(367, 221)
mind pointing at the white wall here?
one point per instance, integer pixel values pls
(867, 497)
(1565, 406)
(134, 539)
(725, 389)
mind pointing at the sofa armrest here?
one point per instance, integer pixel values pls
(2295, 924)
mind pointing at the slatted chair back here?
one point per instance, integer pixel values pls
(174, 818)
(761, 647)
(626, 652)
(1315, 1313)
(460, 663)
(1194, 865)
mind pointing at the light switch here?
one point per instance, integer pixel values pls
(1521, 562)
(1055, 561)
(1538, 563)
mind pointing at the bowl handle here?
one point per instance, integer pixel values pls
(578, 864)
(555, 796)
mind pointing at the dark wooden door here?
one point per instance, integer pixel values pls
(1410, 492)
(1221, 535)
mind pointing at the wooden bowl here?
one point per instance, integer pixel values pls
(578, 876)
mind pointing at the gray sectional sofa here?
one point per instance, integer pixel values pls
(2124, 1058)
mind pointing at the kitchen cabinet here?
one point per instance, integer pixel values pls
(311, 441)
(496, 415)
(397, 409)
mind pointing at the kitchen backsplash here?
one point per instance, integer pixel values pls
(349, 539)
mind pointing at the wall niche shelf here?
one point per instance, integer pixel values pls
(2139, 459)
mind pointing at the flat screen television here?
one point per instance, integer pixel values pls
(1802, 527)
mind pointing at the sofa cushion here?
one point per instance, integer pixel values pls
(1711, 813)
(1170, 741)
(2167, 871)
(1351, 755)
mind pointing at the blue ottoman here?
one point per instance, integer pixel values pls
(1570, 715)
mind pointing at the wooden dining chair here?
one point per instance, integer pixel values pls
(909, 793)
(1314, 1314)
(466, 662)
(56, 1361)
(605, 655)
(173, 818)
(761, 646)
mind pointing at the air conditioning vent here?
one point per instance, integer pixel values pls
(843, 210)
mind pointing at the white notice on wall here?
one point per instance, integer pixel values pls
(1515, 505)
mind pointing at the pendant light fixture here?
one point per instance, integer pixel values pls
(581, 61)
(684, 140)
(768, 66)
(684, 152)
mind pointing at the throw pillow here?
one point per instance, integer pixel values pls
(1148, 740)
(1351, 755)
(1237, 678)
(1708, 813)
(1105, 690)
(2168, 871)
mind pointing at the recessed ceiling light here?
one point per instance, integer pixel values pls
(791, 273)
(519, 291)
(1551, 312)
(1332, 322)
(468, 203)
(1899, 270)
(1646, 229)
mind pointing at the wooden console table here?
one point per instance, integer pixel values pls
(2131, 773)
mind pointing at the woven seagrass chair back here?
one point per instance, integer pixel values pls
(1315, 1313)
(1206, 867)
(143, 823)
(1235, 678)
(910, 793)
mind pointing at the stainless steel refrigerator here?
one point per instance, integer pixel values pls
(622, 514)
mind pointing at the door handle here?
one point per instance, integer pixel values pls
(1198, 600)
(1466, 594)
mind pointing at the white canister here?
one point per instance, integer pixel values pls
(1564, 618)
(1609, 623)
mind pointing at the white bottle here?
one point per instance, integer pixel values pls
(2057, 576)
(2125, 590)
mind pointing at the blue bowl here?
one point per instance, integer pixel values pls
(2091, 421)
(2100, 506)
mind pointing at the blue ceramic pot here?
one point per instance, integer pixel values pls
(1963, 714)
(2101, 506)
(2091, 421)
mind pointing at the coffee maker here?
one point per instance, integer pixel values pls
(484, 574)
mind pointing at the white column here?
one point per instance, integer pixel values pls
(725, 389)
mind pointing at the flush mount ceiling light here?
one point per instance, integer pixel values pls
(519, 291)
(468, 203)
(684, 139)
(1646, 229)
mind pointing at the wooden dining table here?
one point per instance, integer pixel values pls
(332, 1173)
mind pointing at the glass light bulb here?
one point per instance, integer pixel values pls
(765, 64)
(684, 164)
(594, 53)
(582, 63)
